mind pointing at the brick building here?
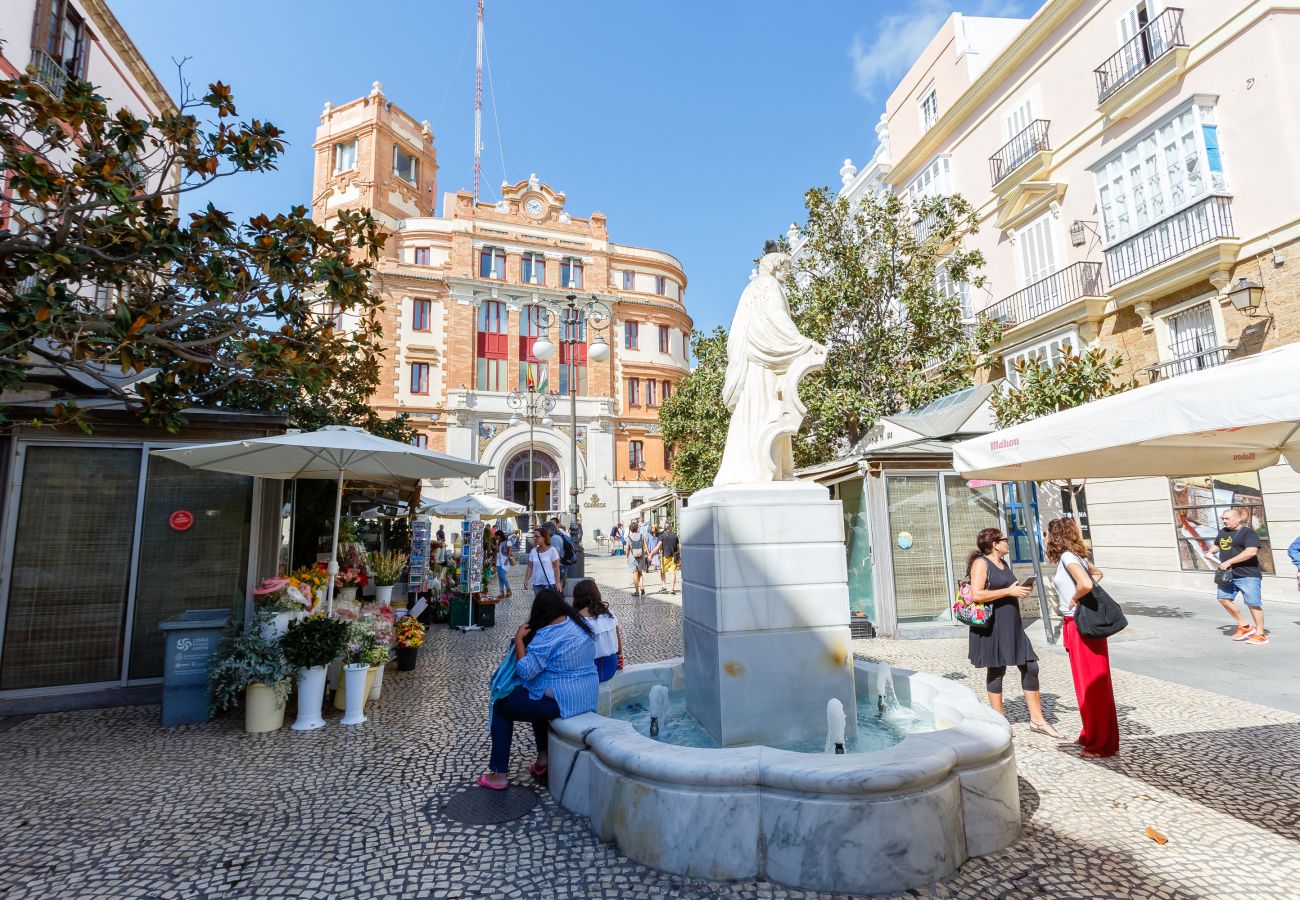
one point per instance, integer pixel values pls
(462, 282)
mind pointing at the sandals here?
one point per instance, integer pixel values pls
(1047, 730)
(483, 782)
(538, 771)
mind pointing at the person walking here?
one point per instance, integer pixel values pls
(638, 556)
(669, 552)
(1003, 642)
(555, 663)
(503, 567)
(604, 625)
(1089, 657)
(543, 562)
(1294, 552)
(1238, 548)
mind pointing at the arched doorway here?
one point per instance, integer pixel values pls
(542, 483)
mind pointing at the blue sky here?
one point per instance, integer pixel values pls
(695, 126)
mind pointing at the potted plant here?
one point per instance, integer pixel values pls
(347, 579)
(441, 608)
(284, 600)
(358, 656)
(386, 569)
(310, 645)
(409, 634)
(250, 668)
(383, 621)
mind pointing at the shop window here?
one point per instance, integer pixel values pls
(1081, 504)
(1200, 500)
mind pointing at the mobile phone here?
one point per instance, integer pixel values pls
(1030, 581)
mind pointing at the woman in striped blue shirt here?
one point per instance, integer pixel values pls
(556, 664)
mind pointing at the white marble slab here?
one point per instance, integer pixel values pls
(776, 606)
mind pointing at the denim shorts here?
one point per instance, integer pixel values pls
(1251, 590)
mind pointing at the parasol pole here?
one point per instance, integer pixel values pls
(333, 567)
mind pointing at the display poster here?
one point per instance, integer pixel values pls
(421, 535)
(476, 557)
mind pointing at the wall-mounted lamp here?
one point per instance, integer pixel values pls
(1245, 296)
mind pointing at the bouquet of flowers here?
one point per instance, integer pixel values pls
(386, 567)
(409, 632)
(348, 577)
(309, 580)
(361, 642)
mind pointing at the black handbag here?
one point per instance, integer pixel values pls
(1223, 577)
(1098, 615)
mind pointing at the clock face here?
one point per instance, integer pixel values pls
(533, 207)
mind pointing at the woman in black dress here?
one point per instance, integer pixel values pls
(1003, 641)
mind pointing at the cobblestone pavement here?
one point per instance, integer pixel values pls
(105, 803)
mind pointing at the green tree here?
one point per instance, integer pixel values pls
(694, 419)
(1074, 380)
(875, 282)
(100, 273)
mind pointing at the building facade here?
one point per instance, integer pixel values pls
(1130, 168)
(466, 285)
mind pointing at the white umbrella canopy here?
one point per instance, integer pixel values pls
(338, 452)
(1238, 417)
(484, 506)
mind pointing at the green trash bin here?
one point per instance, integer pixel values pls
(191, 642)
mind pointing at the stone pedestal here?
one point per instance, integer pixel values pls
(766, 606)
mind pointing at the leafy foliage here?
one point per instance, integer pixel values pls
(245, 658)
(866, 283)
(101, 277)
(314, 641)
(1074, 380)
(694, 419)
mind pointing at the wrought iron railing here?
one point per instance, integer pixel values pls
(1161, 34)
(1020, 148)
(1203, 222)
(49, 73)
(1083, 279)
(1192, 362)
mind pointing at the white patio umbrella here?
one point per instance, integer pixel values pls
(483, 506)
(336, 452)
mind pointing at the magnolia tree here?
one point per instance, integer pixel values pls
(101, 277)
(875, 281)
(694, 419)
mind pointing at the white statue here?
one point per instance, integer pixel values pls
(766, 358)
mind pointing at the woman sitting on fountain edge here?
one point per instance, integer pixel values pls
(556, 664)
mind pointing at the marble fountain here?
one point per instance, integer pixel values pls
(743, 778)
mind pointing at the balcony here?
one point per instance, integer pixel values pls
(1019, 150)
(1055, 292)
(1192, 362)
(1198, 225)
(49, 73)
(1142, 66)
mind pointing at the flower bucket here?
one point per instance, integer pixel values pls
(377, 683)
(355, 676)
(341, 693)
(383, 594)
(260, 710)
(311, 694)
(348, 594)
(279, 624)
(406, 658)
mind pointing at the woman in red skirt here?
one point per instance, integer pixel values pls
(1089, 657)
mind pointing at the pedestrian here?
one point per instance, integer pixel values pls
(1238, 548)
(604, 625)
(1089, 657)
(442, 535)
(1294, 552)
(503, 566)
(1002, 641)
(543, 562)
(638, 556)
(555, 653)
(670, 560)
(560, 541)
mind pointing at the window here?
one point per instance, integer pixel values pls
(492, 374)
(533, 376)
(492, 263)
(1199, 501)
(636, 455)
(421, 256)
(929, 109)
(661, 285)
(492, 347)
(650, 392)
(533, 269)
(1019, 119)
(663, 339)
(405, 166)
(1158, 174)
(66, 40)
(576, 353)
(667, 389)
(579, 375)
(1036, 243)
(629, 280)
(1192, 340)
(421, 441)
(336, 316)
(948, 289)
(571, 273)
(630, 330)
(633, 392)
(420, 314)
(419, 378)
(345, 156)
(1048, 352)
(935, 180)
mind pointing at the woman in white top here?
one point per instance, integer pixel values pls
(636, 545)
(503, 566)
(543, 563)
(604, 625)
(1089, 657)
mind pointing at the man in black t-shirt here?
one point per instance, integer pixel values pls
(668, 550)
(1238, 547)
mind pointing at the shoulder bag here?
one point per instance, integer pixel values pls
(967, 611)
(1097, 615)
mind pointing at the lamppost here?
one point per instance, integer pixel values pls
(532, 406)
(573, 319)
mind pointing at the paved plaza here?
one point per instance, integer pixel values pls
(106, 803)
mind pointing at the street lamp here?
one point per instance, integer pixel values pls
(573, 319)
(530, 405)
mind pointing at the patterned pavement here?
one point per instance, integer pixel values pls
(106, 803)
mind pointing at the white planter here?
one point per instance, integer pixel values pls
(383, 594)
(354, 677)
(335, 671)
(379, 683)
(311, 696)
(279, 624)
(348, 594)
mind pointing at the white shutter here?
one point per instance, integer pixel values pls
(1018, 119)
(1037, 254)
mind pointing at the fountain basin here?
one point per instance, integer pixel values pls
(874, 822)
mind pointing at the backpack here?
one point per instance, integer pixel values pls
(568, 556)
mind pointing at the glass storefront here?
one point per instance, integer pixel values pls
(857, 538)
